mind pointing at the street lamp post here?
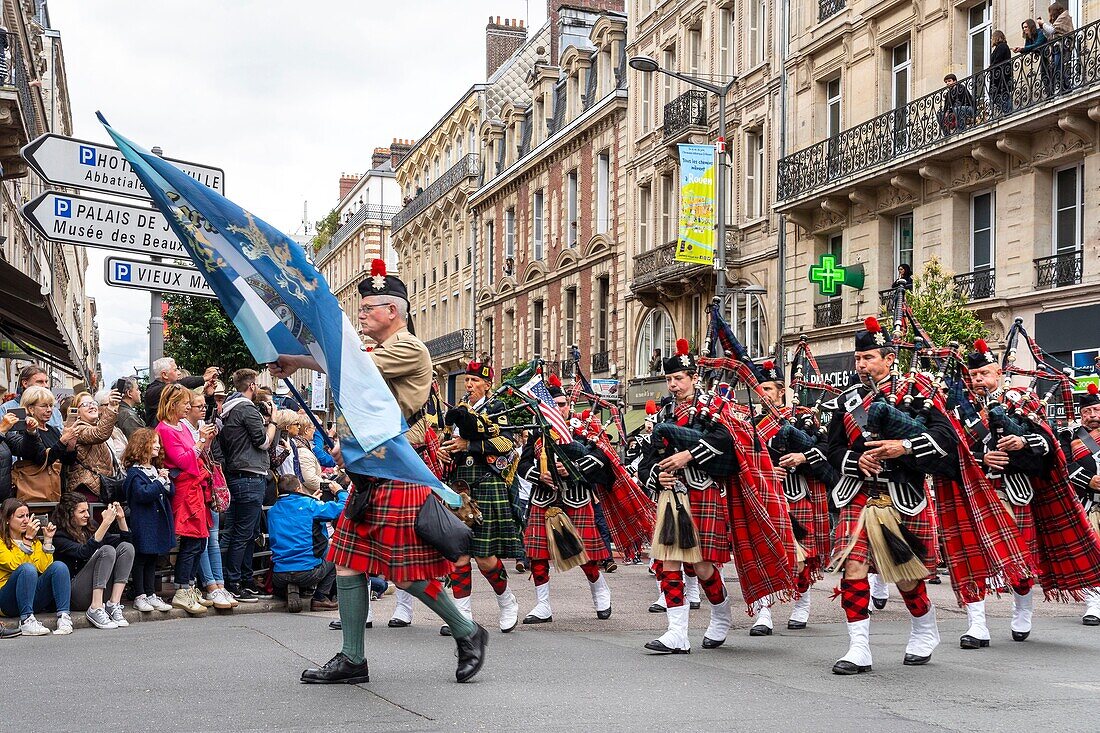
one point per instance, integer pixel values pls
(646, 65)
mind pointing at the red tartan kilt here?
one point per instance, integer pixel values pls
(711, 514)
(583, 518)
(922, 525)
(385, 542)
(802, 511)
(1026, 524)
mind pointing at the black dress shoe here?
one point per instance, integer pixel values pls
(760, 630)
(1020, 635)
(796, 625)
(695, 605)
(657, 646)
(1090, 620)
(846, 667)
(396, 623)
(912, 660)
(935, 580)
(533, 619)
(604, 615)
(338, 670)
(711, 643)
(880, 603)
(444, 630)
(970, 642)
(337, 625)
(471, 653)
(657, 608)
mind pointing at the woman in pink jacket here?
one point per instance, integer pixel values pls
(180, 453)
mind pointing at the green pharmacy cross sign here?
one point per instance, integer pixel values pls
(829, 276)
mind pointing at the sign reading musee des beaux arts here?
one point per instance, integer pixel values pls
(89, 222)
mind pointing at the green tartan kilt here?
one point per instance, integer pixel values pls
(498, 534)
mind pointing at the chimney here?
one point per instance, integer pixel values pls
(553, 17)
(380, 156)
(347, 182)
(398, 150)
(501, 41)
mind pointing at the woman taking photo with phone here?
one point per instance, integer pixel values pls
(92, 429)
(95, 557)
(30, 579)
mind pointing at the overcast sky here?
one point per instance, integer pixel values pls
(284, 96)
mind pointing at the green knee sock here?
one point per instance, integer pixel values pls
(354, 595)
(434, 597)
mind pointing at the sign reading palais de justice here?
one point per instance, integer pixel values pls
(156, 277)
(66, 161)
(89, 222)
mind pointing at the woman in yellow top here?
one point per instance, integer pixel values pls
(30, 579)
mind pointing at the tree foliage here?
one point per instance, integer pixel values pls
(941, 309)
(325, 228)
(200, 334)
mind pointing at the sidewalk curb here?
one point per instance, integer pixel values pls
(80, 621)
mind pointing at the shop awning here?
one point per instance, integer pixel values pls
(27, 320)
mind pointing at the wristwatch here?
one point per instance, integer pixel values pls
(907, 445)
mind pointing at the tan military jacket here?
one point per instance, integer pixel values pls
(406, 365)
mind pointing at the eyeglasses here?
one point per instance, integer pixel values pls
(88, 404)
(365, 309)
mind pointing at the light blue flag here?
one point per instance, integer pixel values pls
(283, 306)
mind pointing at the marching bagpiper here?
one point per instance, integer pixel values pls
(480, 451)
(887, 521)
(1083, 453)
(558, 498)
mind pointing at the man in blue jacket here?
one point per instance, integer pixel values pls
(295, 526)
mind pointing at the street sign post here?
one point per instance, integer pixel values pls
(89, 222)
(155, 276)
(66, 161)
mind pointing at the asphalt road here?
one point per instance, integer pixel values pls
(240, 673)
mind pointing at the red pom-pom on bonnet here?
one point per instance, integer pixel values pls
(682, 347)
(980, 346)
(650, 407)
(871, 324)
(377, 267)
(553, 381)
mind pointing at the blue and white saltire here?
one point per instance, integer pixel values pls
(283, 306)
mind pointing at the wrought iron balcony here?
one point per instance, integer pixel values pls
(1059, 271)
(659, 265)
(687, 110)
(383, 215)
(451, 344)
(828, 8)
(20, 121)
(977, 285)
(469, 166)
(601, 362)
(1057, 70)
(828, 313)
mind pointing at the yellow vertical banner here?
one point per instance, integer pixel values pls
(695, 243)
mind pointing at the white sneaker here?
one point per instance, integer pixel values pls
(64, 625)
(33, 627)
(185, 599)
(158, 603)
(142, 604)
(220, 599)
(115, 611)
(99, 618)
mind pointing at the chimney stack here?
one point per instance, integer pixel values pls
(399, 149)
(501, 41)
(380, 156)
(347, 182)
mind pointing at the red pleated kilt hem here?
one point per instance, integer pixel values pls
(1026, 524)
(923, 525)
(385, 543)
(583, 518)
(803, 512)
(710, 511)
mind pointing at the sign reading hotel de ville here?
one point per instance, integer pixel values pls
(698, 220)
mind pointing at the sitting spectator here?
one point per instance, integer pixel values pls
(166, 372)
(93, 456)
(117, 441)
(130, 418)
(95, 557)
(210, 563)
(192, 492)
(958, 106)
(149, 496)
(33, 376)
(299, 544)
(41, 444)
(30, 579)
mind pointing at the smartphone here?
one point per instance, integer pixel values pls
(21, 413)
(73, 415)
(120, 386)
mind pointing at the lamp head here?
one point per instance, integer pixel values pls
(643, 64)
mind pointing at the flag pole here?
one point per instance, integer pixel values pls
(313, 418)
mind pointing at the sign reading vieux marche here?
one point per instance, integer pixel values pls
(156, 276)
(90, 222)
(67, 161)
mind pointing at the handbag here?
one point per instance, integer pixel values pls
(219, 492)
(37, 483)
(439, 527)
(110, 485)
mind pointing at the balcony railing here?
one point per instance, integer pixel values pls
(828, 8)
(828, 313)
(1054, 71)
(977, 285)
(449, 344)
(469, 166)
(13, 72)
(1059, 271)
(382, 214)
(687, 110)
(601, 362)
(660, 264)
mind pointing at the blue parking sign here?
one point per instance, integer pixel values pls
(123, 272)
(87, 155)
(63, 207)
